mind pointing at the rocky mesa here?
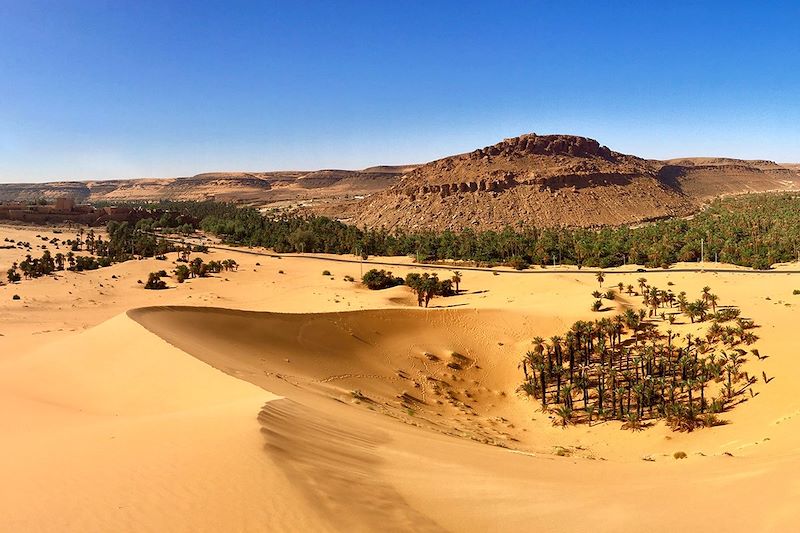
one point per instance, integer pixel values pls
(559, 180)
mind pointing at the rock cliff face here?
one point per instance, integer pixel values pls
(558, 180)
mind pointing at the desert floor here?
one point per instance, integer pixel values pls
(229, 403)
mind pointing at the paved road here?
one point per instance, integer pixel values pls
(551, 270)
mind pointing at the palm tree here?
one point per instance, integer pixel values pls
(713, 299)
(456, 279)
(682, 301)
(600, 278)
(563, 416)
(642, 283)
(706, 293)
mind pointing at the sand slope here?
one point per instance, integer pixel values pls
(457, 484)
(100, 435)
(166, 419)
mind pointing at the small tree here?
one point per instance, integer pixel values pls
(181, 273)
(13, 275)
(154, 282)
(456, 279)
(375, 279)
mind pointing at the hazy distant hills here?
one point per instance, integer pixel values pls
(260, 188)
(542, 180)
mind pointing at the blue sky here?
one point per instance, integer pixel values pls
(113, 89)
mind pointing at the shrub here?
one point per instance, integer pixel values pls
(182, 273)
(679, 455)
(726, 314)
(710, 420)
(633, 422)
(15, 297)
(597, 305)
(683, 418)
(349, 278)
(326, 272)
(13, 275)
(796, 291)
(518, 263)
(380, 279)
(154, 282)
(609, 295)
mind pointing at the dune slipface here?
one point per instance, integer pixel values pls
(329, 437)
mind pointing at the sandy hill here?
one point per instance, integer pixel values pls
(227, 404)
(554, 180)
(251, 187)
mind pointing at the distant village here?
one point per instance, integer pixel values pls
(66, 210)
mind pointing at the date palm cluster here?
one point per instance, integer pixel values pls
(624, 368)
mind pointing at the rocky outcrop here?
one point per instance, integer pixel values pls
(532, 144)
(558, 180)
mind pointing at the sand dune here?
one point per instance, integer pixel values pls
(256, 415)
(299, 354)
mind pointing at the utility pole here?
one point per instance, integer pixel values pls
(554, 260)
(702, 250)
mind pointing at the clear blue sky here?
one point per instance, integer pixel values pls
(110, 89)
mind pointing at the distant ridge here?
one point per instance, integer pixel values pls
(257, 188)
(529, 180)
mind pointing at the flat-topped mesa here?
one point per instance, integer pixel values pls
(532, 144)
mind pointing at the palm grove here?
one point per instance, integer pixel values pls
(755, 231)
(624, 368)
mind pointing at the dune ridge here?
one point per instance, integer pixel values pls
(327, 425)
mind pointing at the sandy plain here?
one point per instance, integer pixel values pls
(227, 404)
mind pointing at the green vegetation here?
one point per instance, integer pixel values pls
(754, 231)
(197, 268)
(376, 280)
(12, 274)
(426, 286)
(125, 242)
(456, 279)
(624, 368)
(154, 281)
